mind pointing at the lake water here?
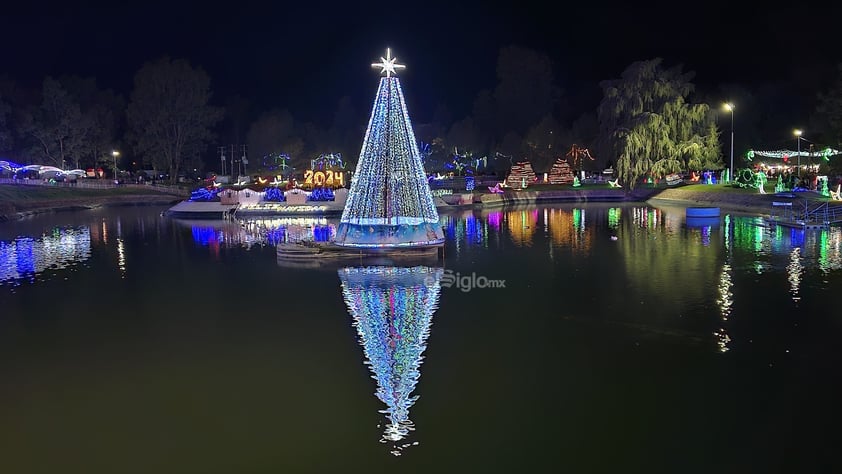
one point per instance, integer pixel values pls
(569, 338)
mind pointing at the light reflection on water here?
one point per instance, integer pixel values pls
(392, 309)
(28, 256)
(601, 301)
(562, 227)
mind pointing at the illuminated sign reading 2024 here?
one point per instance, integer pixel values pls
(324, 178)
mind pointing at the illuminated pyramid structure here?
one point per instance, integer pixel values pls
(521, 175)
(392, 309)
(560, 173)
(389, 203)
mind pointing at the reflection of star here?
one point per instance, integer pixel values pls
(387, 64)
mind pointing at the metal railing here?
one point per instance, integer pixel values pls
(809, 212)
(97, 184)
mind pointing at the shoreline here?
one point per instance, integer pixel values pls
(682, 196)
(753, 203)
(18, 211)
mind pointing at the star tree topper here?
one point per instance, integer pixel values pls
(387, 64)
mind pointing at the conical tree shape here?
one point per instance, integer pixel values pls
(389, 203)
(393, 308)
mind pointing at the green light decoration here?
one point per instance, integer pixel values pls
(745, 178)
(779, 186)
(823, 186)
(750, 155)
(579, 219)
(576, 182)
(614, 214)
(760, 181)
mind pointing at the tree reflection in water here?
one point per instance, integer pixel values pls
(392, 309)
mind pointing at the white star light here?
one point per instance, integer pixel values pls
(387, 64)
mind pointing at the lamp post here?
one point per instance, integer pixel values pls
(730, 108)
(115, 154)
(798, 139)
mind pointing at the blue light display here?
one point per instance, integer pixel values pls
(25, 257)
(323, 233)
(206, 235)
(322, 194)
(204, 194)
(274, 195)
(327, 161)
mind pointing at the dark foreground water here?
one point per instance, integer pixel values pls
(561, 339)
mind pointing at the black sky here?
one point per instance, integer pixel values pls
(305, 56)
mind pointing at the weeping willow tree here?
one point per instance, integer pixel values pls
(647, 124)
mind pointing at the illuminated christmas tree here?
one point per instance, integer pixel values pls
(521, 175)
(389, 203)
(392, 309)
(560, 173)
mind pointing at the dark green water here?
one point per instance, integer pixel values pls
(625, 339)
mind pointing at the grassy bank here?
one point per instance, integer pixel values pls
(18, 200)
(728, 197)
(23, 194)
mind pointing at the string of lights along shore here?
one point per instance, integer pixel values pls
(389, 203)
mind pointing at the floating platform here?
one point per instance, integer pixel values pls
(326, 208)
(309, 250)
(217, 210)
(700, 222)
(702, 212)
(201, 210)
(799, 224)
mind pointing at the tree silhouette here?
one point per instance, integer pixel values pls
(104, 111)
(56, 127)
(169, 114)
(830, 107)
(5, 133)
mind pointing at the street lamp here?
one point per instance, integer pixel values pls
(730, 108)
(115, 154)
(798, 139)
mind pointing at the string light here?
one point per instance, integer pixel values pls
(786, 154)
(389, 202)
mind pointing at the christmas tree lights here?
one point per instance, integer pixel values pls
(389, 202)
(392, 309)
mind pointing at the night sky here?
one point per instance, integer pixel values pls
(304, 56)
